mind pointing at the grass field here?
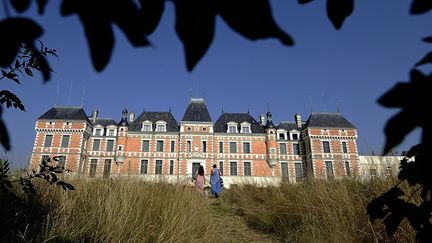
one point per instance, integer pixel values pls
(122, 210)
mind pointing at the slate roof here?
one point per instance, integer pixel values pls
(197, 111)
(288, 126)
(221, 123)
(326, 119)
(155, 116)
(104, 122)
(65, 113)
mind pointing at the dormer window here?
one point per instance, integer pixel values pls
(282, 134)
(98, 131)
(146, 126)
(232, 127)
(160, 126)
(245, 127)
(294, 135)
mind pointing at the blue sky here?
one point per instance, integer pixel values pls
(326, 69)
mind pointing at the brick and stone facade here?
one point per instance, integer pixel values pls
(154, 145)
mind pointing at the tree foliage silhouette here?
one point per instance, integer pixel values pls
(195, 23)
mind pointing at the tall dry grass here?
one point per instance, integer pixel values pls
(316, 211)
(114, 211)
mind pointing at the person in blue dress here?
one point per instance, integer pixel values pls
(215, 181)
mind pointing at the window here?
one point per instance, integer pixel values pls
(295, 136)
(107, 168)
(282, 136)
(96, 143)
(172, 147)
(160, 128)
(232, 129)
(246, 148)
(188, 146)
(159, 146)
(204, 146)
(110, 145)
(296, 149)
(147, 127)
(326, 146)
(347, 168)
(283, 148)
(284, 171)
(329, 169)
(344, 148)
(245, 128)
(144, 167)
(298, 171)
(111, 132)
(120, 148)
(98, 132)
(65, 141)
(145, 146)
(233, 147)
(233, 168)
(48, 140)
(171, 167)
(247, 168)
(61, 160)
(93, 167)
(221, 167)
(221, 147)
(158, 167)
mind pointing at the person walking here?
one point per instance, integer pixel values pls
(215, 181)
(200, 180)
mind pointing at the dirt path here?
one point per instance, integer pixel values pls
(233, 227)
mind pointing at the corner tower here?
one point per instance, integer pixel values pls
(271, 143)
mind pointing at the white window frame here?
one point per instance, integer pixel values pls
(113, 129)
(282, 131)
(245, 125)
(251, 168)
(147, 123)
(95, 128)
(230, 125)
(292, 132)
(160, 126)
(237, 167)
(350, 168)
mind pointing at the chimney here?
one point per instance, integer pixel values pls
(298, 121)
(131, 116)
(262, 120)
(94, 115)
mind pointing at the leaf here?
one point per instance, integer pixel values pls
(126, 15)
(151, 13)
(28, 71)
(4, 136)
(420, 6)
(98, 27)
(20, 5)
(253, 19)
(41, 5)
(195, 23)
(304, 1)
(338, 11)
(11, 39)
(397, 128)
(428, 39)
(426, 59)
(42, 62)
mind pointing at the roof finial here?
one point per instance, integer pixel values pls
(248, 111)
(170, 109)
(268, 107)
(222, 110)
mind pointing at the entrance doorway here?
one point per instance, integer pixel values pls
(195, 166)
